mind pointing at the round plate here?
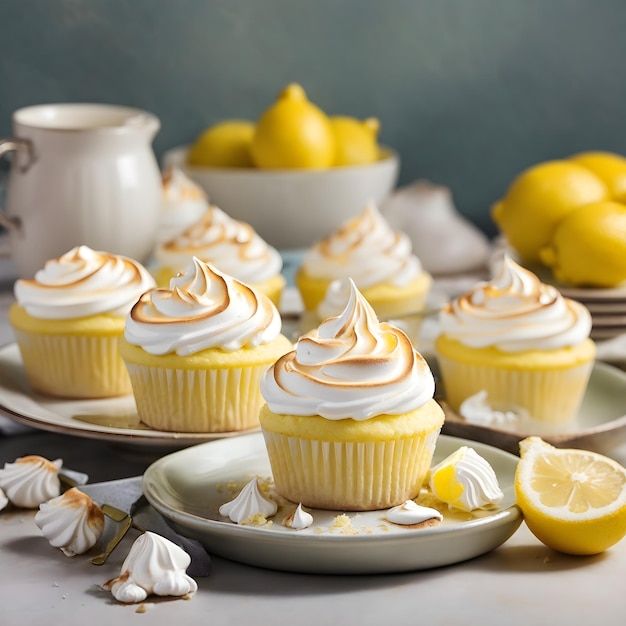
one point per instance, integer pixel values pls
(187, 487)
(109, 419)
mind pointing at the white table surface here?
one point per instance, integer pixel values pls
(520, 583)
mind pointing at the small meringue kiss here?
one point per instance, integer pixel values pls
(299, 519)
(31, 480)
(410, 513)
(154, 565)
(72, 522)
(248, 504)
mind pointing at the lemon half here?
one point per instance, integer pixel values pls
(573, 501)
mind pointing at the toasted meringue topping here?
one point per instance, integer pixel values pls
(154, 565)
(299, 519)
(83, 282)
(203, 308)
(178, 187)
(515, 311)
(31, 480)
(466, 481)
(365, 249)
(410, 513)
(352, 366)
(184, 203)
(72, 522)
(232, 246)
(249, 503)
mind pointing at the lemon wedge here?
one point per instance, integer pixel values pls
(573, 501)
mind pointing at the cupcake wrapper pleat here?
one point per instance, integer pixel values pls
(73, 366)
(552, 396)
(202, 400)
(349, 476)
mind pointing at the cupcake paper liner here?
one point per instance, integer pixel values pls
(552, 396)
(197, 400)
(350, 476)
(73, 366)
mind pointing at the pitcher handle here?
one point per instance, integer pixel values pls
(13, 144)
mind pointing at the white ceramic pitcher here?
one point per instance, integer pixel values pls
(81, 174)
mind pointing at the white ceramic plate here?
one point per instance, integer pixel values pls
(111, 419)
(188, 487)
(600, 424)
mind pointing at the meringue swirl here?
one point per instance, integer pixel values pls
(232, 246)
(83, 282)
(514, 312)
(72, 522)
(352, 366)
(367, 250)
(203, 309)
(31, 480)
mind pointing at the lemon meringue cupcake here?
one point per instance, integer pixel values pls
(378, 259)
(350, 422)
(232, 246)
(195, 352)
(68, 321)
(183, 203)
(519, 340)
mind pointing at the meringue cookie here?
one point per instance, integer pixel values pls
(247, 504)
(72, 522)
(154, 565)
(299, 519)
(31, 480)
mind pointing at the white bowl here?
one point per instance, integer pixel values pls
(293, 208)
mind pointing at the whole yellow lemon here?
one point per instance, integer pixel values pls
(589, 246)
(609, 167)
(293, 133)
(355, 140)
(226, 144)
(537, 201)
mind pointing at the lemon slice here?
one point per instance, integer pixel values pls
(573, 501)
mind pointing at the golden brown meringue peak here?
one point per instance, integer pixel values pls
(72, 522)
(31, 480)
(351, 367)
(204, 308)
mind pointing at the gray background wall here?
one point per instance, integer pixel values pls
(469, 91)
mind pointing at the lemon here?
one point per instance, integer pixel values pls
(539, 198)
(573, 501)
(293, 133)
(226, 144)
(355, 140)
(610, 167)
(589, 246)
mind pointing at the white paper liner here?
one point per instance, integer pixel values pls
(197, 400)
(552, 396)
(74, 366)
(350, 476)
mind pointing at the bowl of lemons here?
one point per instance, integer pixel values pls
(295, 174)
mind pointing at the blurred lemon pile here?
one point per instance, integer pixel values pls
(293, 133)
(570, 215)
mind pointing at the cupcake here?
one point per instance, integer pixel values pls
(183, 203)
(232, 246)
(349, 421)
(378, 259)
(195, 352)
(68, 321)
(519, 340)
